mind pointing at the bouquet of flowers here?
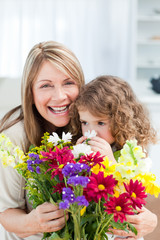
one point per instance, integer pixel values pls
(96, 193)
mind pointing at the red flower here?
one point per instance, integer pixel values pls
(119, 207)
(59, 187)
(99, 186)
(92, 159)
(58, 160)
(136, 193)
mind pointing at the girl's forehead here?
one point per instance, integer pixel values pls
(86, 111)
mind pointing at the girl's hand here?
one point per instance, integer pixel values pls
(81, 140)
(100, 145)
(145, 222)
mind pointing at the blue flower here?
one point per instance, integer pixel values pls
(73, 169)
(78, 180)
(38, 170)
(67, 194)
(64, 205)
(81, 200)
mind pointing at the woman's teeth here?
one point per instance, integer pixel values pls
(59, 109)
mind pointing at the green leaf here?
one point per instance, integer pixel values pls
(117, 154)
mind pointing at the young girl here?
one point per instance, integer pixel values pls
(109, 106)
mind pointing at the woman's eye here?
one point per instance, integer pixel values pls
(45, 86)
(101, 123)
(69, 83)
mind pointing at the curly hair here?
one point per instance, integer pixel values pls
(112, 97)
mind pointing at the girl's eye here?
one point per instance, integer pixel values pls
(84, 123)
(101, 123)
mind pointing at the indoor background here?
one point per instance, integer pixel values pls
(116, 37)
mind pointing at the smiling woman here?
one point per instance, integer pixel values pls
(53, 92)
(51, 81)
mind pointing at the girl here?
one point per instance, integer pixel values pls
(109, 106)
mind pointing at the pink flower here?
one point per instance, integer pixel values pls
(58, 160)
(92, 159)
(119, 207)
(135, 193)
(59, 187)
(99, 186)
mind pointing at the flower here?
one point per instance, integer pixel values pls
(78, 180)
(99, 187)
(92, 159)
(81, 149)
(54, 138)
(135, 192)
(96, 193)
(90, 134)
(119, 207)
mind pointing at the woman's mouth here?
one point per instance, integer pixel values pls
(59, 110)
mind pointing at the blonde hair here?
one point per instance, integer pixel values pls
(65, 61)
(112, 97)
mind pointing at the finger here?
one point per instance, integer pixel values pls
(130, 238)
(98, 140)
(55, 225)
(53, 215)
(81, 140)
(122, 233)
(46, 207)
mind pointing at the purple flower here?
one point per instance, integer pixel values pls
(34, 160)
(67, 194)
(79, 167)
(30, 168)
(38, 170)
(81, 200)
(64, 205)
(73, 169)
(78, 180)
(68, 169)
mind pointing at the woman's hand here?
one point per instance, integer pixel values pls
(47, 218)
(145, 222)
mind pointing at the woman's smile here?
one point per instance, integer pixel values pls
(53, 92)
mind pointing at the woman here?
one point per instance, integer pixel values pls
(52, 78)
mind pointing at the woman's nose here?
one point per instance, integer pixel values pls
(58, 94)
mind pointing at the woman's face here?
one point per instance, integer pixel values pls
(53, 92)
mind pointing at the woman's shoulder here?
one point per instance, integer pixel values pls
(17, 135)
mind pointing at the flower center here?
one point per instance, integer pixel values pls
(101, 187)
(61, 165)
(133, 195)
(118, 208)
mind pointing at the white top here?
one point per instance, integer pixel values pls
(12, 193)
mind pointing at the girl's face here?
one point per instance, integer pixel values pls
(100, 125)
(53, 92)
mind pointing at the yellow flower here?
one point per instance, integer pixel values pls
(83, 211)
(148, 181)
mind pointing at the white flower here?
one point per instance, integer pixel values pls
(144, 166)
(81, 149)
(54, 139)
(90, 134)
(66, 137)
